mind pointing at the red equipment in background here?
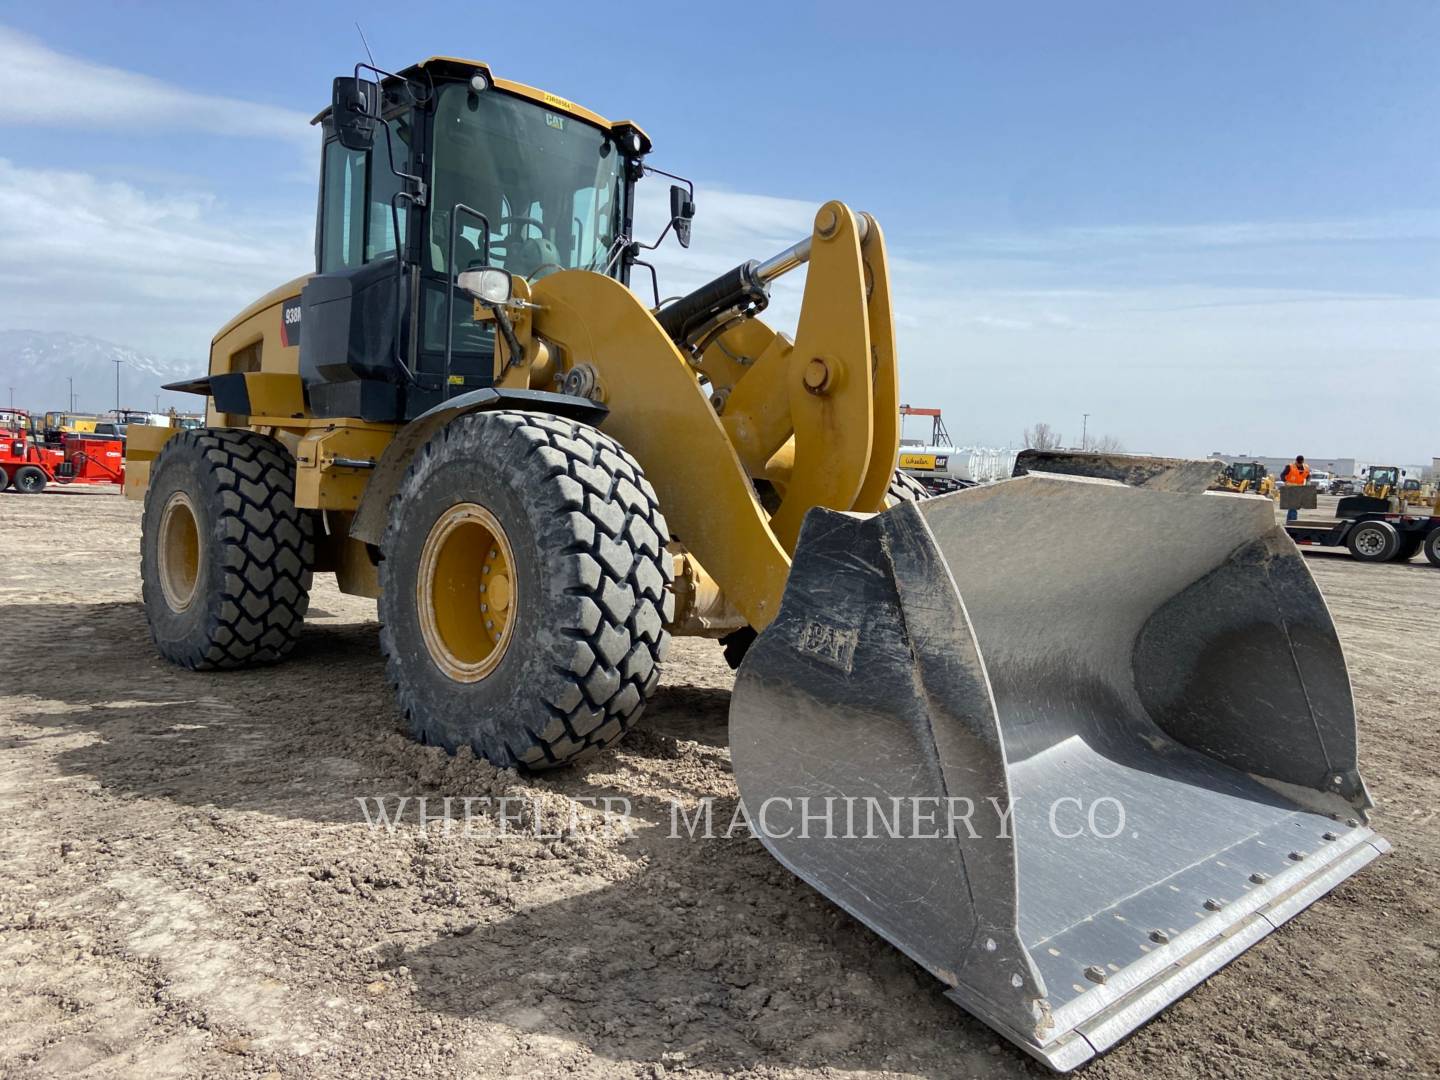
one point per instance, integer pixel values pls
(31, 459)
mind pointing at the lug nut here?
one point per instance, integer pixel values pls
(1160, 937)
(1095, 973)
(1213, 905)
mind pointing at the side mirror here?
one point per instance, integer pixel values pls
(682, 210)
(489, 285)
(354, 110)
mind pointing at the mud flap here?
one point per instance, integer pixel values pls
(1070, 745)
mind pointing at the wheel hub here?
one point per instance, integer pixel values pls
(466, 592)
(179, 551)
(1370, 542)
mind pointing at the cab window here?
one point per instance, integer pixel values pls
(356, 221)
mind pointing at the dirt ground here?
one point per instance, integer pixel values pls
(188, 885)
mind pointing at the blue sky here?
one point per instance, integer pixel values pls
(1211, 227)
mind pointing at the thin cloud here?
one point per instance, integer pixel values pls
(1099, 240)
(79, 94)
(107, 258)
(1179, 368)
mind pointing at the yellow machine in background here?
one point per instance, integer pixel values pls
(1247, 476)
(1415, 493)
(1386, 491)
(1382, 481)
(541, 474)
(71, 423)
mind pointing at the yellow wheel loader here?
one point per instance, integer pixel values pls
(1071, 744)
(1247, 476)
(1383, 493)
(1416, 493)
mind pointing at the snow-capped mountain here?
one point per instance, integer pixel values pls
(39, 366)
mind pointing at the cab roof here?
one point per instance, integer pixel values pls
(461, 66)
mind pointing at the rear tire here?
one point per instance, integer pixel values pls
(4, 479)
(225, 556)
(1373, 541)
(29, 480)
(561, 519)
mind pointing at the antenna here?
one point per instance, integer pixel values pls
(365, 43)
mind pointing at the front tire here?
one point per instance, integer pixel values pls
(1373, 541)
(225, 556)
(524, 589)
(1432, 547)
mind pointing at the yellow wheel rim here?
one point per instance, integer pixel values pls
(466, 592)
(179, 551)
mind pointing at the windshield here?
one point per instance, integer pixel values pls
(548, 183)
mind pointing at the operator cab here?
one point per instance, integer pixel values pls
(429, 172)
(1382, 476)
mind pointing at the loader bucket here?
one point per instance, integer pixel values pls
(1070, 745)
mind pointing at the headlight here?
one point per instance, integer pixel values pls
(490, 285)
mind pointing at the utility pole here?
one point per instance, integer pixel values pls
(157, 403)
(71, 380)
(12, 399)
(1085, 431)
(117, 364)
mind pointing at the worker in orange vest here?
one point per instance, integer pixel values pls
(1297, 472)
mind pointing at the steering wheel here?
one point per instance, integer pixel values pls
(542, 269)
(521, 221)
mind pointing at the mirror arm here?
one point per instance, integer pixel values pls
(636, 245)
(689, 185)
(392, 75)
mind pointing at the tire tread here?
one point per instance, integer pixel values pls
(615, 568)
(268, 550)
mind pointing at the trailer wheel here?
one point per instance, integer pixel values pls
(1409, 546)
(1432, 546)
(225, 556)
(524, 589)
(1373, 541)
(29, 480)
